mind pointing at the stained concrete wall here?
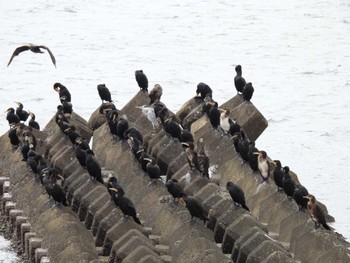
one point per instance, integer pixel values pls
(90, 230)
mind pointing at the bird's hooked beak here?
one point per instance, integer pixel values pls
(60, 176)
(8, 110)
(138, 107)
(148, 159)
(141, 150)
(185, 144)
(306, 197)
(256, 153)
(234, 137)
(182, 201)
(18, 103)
(57, 89)
(113, 189)
(222, 110)
(30, 113)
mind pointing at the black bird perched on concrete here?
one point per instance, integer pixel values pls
(174, 188)
(62, 122)
(194, 207)
(106, 106)
(252, 157)
(126, 206)
(203, 159)
(186, 136)
(53, 188)
(153, 170)
(114, 188)
(34, 49)
(155, 94)
(316, 213)
(204, 90)
(142, 80)
(299, 193)
(122, 126)
(278, 175)
(263, 165)
(32, 122)
(143, 156)
(172, 127)
(67, 106)
(236, 194)
(22, 114)
(248, 91)
(112, 121)
(79, 150)
(243, 146)
(60, 115)
(104, 93)
(12, 117)
(62, 91)
(239, 80)
(42, 165)
(72, 134)
(191, 155)
(214, 115)
(14, 140)
(93, 167)
(288, 183)
(133, 132)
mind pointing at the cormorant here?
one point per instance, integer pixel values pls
(62, 91)
(155, 94)
(278, 175)
(106, 106)
(236, 194)
(234, 128)
(191, 155)
(252, 157)
(133, 132)
(30, 138)
(22, 114)
(142, 80)
(93, 167)
(288, 183)
(113, 187)
(143, 156)
(186, 136)
(153, 170)
(243, 146)
(174, 188)
(263, 165)
(122, 126)
(148, 112)
(194, 207)
(316, 213)
(32, 122)
(225, 120)
(104, 93)
(34, 49)
(299, 193)
(214, 115)
(12, 117)
(112, 120)
(203, 159)
(14, 140)
(72, 134)
(62, 122)
(239, 80)
(203, 89)
(248, 91)
(172, 127)
(80, 147)
(67, 106)
(126, 206)
(53, 188)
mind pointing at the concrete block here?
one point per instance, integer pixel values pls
(196, 185)
(262, 251)
(250, 244)
(232, 103)
(108, 221)
(198, 250)
(216, 211)
(45, 260)
(96, 119)
(12, 217)
(250, 119)
(238, 228)
(116, 231)
(100, 214)
(40, 253)
(151, 259)
(152, 139)
(206, 191)
(211, 201)
(6, 187)
(187, 107)
(80, 180)
(288, 224)
(28, 236)
(193, 116)
(3, 179)
(130, 245)
(242, 239)
(64, 158)
(8, 205)
(138, 254)
(174, 164)
(141, 98)
(81, 191)
(224, 221)
(93, 208)
(336, 255)
(88, 198)
(278, 256)
(24, 228)
(123, 239)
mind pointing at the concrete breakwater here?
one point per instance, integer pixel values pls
(90, 230)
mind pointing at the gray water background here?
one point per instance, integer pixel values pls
(296, 54)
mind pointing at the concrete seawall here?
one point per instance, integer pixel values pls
(90, 230)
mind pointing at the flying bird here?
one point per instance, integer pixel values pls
(34, 49)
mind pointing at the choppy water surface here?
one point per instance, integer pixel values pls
(7, 255)
(295, 53)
